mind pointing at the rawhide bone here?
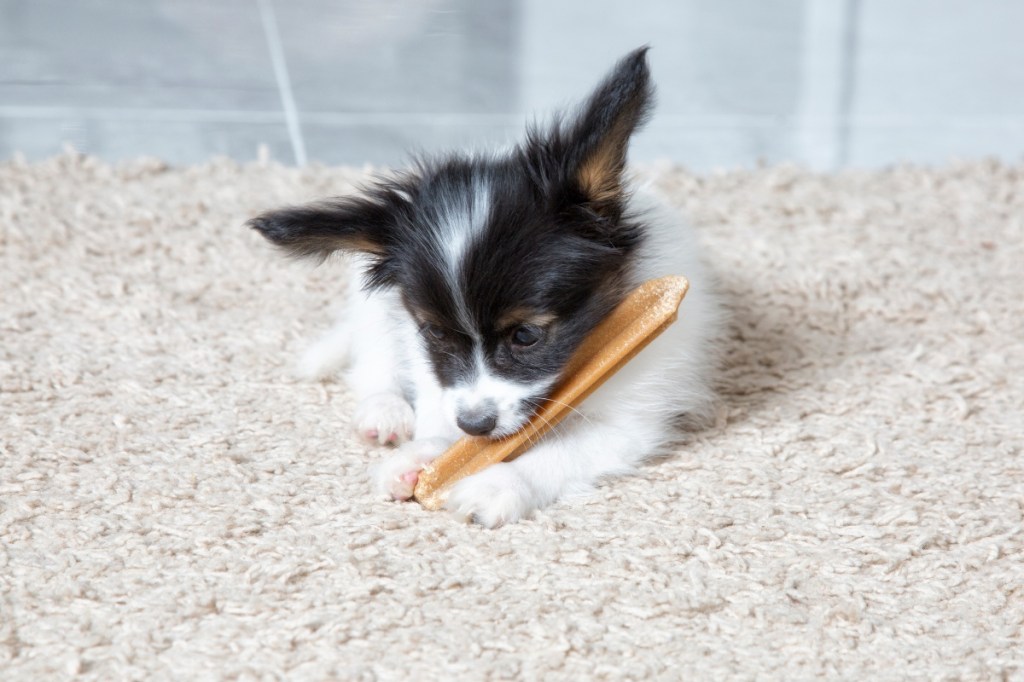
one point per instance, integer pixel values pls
(646, 312)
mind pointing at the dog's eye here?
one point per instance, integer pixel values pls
(525, 336)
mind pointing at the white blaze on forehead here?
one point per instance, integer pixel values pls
(463, 218)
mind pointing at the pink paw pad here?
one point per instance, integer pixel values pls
(406, 484)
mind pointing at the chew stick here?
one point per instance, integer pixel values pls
(646, 312)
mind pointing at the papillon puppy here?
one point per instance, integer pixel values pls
(475, 277)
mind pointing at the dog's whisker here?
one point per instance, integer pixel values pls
(553, 431)
(582, 416)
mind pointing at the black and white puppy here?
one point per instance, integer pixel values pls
(480, 275)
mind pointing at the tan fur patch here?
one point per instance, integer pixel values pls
(599, 175)
(362, 244)
(520, 316)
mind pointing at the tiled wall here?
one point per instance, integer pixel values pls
(827, 83)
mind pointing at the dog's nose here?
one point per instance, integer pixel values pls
(478, 422)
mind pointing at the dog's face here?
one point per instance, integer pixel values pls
(504, 263)
(502, 282)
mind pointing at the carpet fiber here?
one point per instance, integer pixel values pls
(174, 504)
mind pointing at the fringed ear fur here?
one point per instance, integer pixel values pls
(318, 229)
(599, 137)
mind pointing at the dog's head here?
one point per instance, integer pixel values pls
(505, 263)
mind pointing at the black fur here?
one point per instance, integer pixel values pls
(556, 240)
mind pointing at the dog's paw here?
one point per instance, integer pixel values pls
(396, 475)
(493, 497)
(385, 418)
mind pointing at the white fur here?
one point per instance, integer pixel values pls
(507, 396)
(369, 339)
(461, 226)
(463, 218)
(629, 419)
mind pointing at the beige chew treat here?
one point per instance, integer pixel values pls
(634, 323)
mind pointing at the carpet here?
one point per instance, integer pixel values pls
(175, 504)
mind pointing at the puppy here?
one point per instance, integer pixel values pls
(480, 275)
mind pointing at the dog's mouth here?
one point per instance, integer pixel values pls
(507, 421)
(528, 408)
(498, 414)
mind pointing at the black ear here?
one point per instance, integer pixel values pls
(322, 227)
(597, 140)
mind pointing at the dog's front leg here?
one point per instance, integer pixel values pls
(569, 460)
(396, 475)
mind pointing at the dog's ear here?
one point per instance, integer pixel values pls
(320, 228)
(362, 223)
(598, 138)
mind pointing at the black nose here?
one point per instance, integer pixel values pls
(477, 422)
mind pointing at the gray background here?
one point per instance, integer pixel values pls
(825, 83)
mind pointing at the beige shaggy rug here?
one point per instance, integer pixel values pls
(175, 504)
